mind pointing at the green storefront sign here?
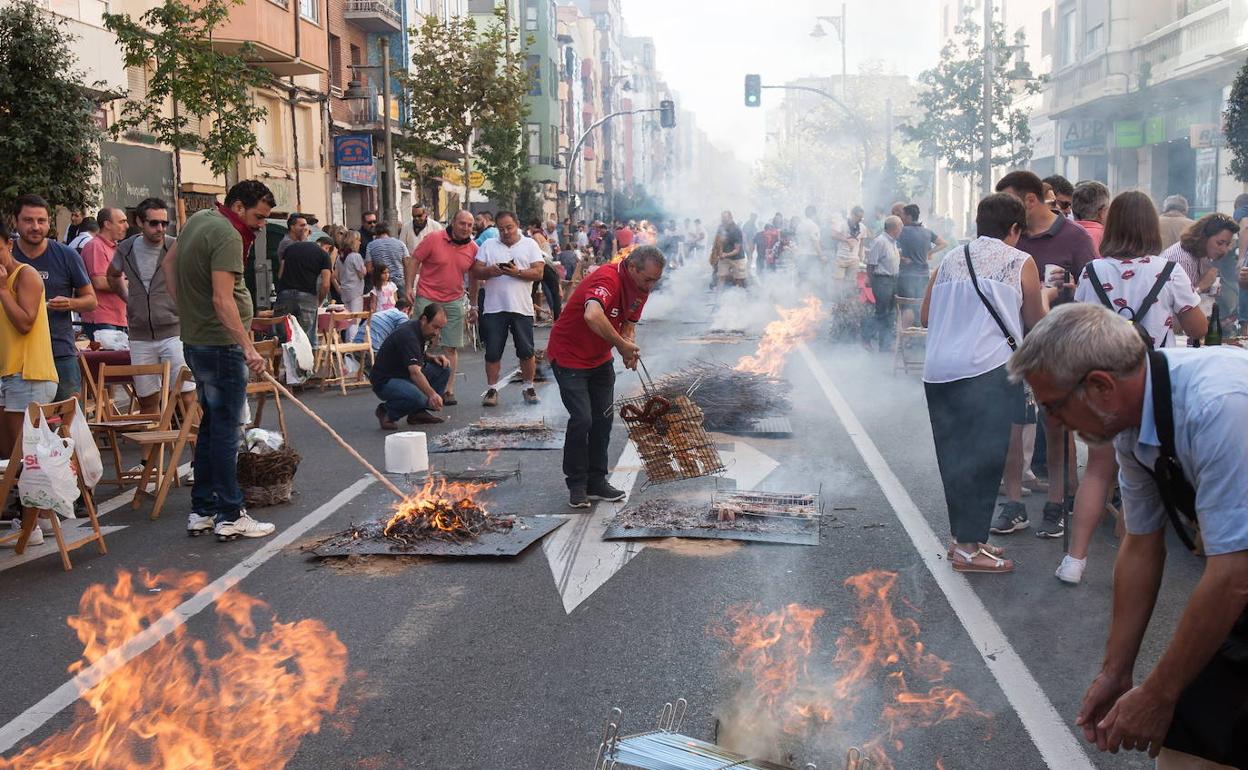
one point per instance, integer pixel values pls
(1128, 134)
(1154, 130)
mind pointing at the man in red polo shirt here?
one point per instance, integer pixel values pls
(599, 317)
(441, 261)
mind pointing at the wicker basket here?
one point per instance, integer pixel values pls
(267, 479)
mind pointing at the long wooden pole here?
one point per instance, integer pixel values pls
(334, 434)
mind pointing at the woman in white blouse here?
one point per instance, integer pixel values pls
(978, 304)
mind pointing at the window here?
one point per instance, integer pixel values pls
(481, 6)
(308, 9)
(309, 144)
(554, 146)
(355, 57)
(335, 61)
(269, 135)
(1066, 40)
(530, 15)
(1046, 32)
(533, 138)
(554, 78)
(136, 81)
(1094, 40)
(533, 64)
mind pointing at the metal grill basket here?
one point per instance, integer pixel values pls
(669, 435)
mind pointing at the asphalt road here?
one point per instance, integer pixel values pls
(515, 663)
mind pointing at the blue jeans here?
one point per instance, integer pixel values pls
(221, 385)
(70, 376)
(403, 398)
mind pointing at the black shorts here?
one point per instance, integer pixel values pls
(494, 329)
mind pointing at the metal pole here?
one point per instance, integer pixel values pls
(986, 170)
(388, 204)
(844, 58)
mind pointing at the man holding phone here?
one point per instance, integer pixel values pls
(509, 265)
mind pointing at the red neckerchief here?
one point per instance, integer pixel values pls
(249, 235)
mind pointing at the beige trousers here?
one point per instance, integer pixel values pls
(1177, 760)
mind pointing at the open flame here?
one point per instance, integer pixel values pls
(874, 658)
(781, 336)
(178, 706)
(440, 507)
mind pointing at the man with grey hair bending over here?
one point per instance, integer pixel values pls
(1176, 417)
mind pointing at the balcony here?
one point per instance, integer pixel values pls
(1188, 43)
(269, 28)
(374, 16)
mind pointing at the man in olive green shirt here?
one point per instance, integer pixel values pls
(205, 271)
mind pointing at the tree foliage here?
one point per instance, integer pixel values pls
(1236, 125)
(462, 87)
(173, 41)
(504, 161)
(49, 143)
(951, 124)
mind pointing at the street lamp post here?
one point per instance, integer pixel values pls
(838, 22)
(989, 68)
(357, 92)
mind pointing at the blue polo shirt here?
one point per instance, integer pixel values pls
(63, 273)
(1210, 396)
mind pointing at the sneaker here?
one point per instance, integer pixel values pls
(1071, 570)
(578, 499)
(424, 417)
(490, 398)
(1054, 524)
(605, 491)
(383, 419)
(197, 525)
(36, 535)
(243, 526)
(1012, 518)
(530, 396)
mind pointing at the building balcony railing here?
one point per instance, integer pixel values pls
(1204, 31)
(373, 16)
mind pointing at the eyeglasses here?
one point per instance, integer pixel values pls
(1065, 205)
(156, 222)
(1057, 405)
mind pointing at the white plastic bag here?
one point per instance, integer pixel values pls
(302, 345)
(89, 460)
(112, 339)
(48, 480)
(262, 442)
(290, 366)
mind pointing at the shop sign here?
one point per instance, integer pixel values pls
(365, 176)
(1128, 134)
(1205, 135)
(1155, 131)
(129, 173)
(1206, 197)
(353, 150)
(1084, 137)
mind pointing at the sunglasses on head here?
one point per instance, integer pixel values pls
(1217, 223)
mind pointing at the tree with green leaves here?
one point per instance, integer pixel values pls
(504, 161)
(190, 82)
(465, 85)
(951, 121)
(1235, 124)
(50, 141)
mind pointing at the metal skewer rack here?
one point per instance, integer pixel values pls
(664, 748)
(798, 506)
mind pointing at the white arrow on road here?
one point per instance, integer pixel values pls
(581, 561)
(747, 465)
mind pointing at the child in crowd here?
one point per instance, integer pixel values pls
(385, 293)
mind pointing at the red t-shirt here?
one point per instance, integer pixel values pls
(573, 345)
(623, 237)
(443, 266)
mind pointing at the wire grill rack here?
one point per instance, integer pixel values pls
(671, 440)
(776, 505)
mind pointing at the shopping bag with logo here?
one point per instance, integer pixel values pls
(48, 479)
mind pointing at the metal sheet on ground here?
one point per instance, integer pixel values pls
(766, 427)
(474, 440)
(523, 534)
(807, 536)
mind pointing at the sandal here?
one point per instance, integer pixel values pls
(995, 551)
(980, 561)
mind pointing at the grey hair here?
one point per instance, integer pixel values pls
(1089, 198)
(1174, 203)
(638, 258)
(1078, 338)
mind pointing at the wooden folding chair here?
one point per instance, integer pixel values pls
(262, 389)
(111, 421)
(165, 437)
(65, 412)
(339, 350)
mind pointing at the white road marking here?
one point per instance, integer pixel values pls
(64, 696)
(747, 465)
(580, 560)
(1048, 731)
(503, 382)
(70, 527)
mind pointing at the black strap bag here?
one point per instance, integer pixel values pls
(1136, 316)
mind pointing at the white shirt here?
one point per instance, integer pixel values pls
(1128, 282)
(411, 239)
(506, 293)
(963, 340)
(807, 237)
(884, 258)
(80, 240)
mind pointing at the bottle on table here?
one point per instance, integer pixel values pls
(1214, 335)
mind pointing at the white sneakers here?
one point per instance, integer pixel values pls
(36, 534)
(1071, 569)
(243, 526)
(197, 525)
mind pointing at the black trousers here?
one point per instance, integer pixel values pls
(588, 395)
(550, 287)
(971, 427)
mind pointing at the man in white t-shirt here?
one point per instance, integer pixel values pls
(809, 245)
(509, 265)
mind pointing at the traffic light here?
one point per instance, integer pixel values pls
(753, 90)
(667, 113)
